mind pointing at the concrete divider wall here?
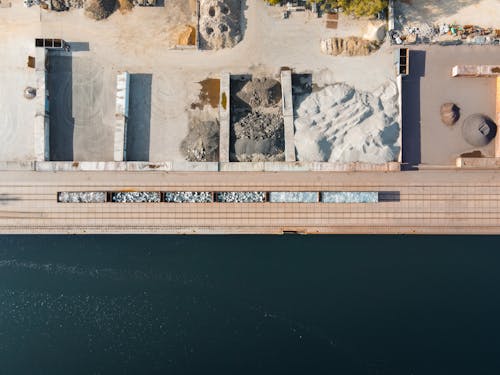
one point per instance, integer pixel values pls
(497, 138)
(287, 104)
(121, 116)
(42, 120)
(224, 117)
(391, 14)
(399, 84)
(169, 166)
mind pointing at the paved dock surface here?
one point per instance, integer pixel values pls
(450, 202)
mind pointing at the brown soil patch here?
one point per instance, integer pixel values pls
(125, 6)
(209, 93)
(187, 36)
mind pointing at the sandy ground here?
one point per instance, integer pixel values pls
(485, 13)
(17, 27)
(425, 139)
(140, 42)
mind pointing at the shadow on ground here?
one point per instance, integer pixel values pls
(411, 142)
(139, 119)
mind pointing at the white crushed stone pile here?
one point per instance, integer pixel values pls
(137, 197)
(340, 124)
(82, 197)
(219, 23)
(188, 197)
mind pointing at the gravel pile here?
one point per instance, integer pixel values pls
(136, 197)
(257, 126)
(293, 197)
(349, 197)
(99, 9)
(82, 197)
(188, 197)
(241, 197)
(202, 141)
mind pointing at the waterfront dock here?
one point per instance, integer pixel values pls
(424, 202)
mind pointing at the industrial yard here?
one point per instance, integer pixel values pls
(239, 88)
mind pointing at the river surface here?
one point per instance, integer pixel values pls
(249, 305)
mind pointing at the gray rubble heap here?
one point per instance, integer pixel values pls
(241, 197)
(137, 197)
(188, 197)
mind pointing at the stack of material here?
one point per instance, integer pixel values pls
(257, 132)
(188, 197)
(478, 130)
(202, 141)
(241, 197)
(450, 113)
(99, 9)
(350, 46)
(145, 3)
(137, 197)
(220, 23)
(293, 197)
(81, 197)
(341, 124)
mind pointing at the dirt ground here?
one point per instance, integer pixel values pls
(142, 41)
(485, 13)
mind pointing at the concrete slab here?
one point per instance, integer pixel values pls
(425, 139)
(82, 106)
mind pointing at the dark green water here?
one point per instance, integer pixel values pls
(249, 305)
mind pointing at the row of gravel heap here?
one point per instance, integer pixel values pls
(136, 197)
(82, 197)
(188, 197)
(293, 197)
(241, 197)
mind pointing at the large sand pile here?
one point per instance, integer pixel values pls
(219, 23)
(340, 124)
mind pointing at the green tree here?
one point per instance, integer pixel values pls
(357, 7)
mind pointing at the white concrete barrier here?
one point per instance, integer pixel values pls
(42, 121)
(224, 117)
(287, 104)
(121, 116)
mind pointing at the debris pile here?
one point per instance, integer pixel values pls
(30, 3)
(420, 31)
(186, 34)
(241, 197)
(350, 46)
(144, 3)
(188, 197)
(137, 197)
(99, 9)
(341, 124)
(257, 127)
(81, 197)
(450, 113)
(202, 141)
(293, 197)
(349, 197)
(219, 23)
